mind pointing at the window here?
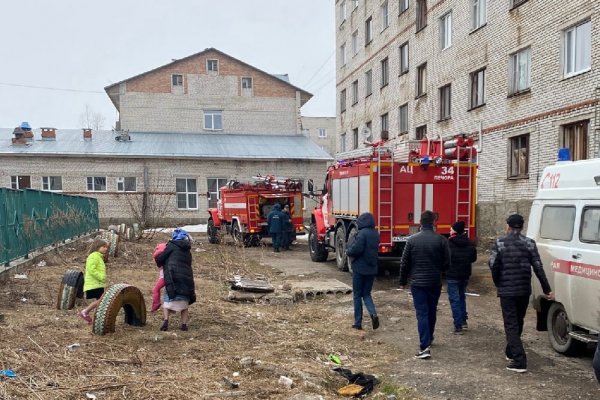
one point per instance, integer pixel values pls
(446, 30)
(343, 142)
(96, 184)
(385, 15)
(343, 54)
(212, 65)
(421, 15)
(186, 193)
(403, 6)
(516, 3)
(354, 92)
(518, 166)
(322, 132)
(343, 100)
(479, 13)
(385, 127)
(421, 79)
(355, 42)
(445, 102)
(421, 132)
(477, 82)
(520, 70)
(368, 31)
(177, 80)
(384, 72)
(577, 49)
(213, 185)
(127, 184)
(575, 137)
(342, 11)
(368, 83)
(557, 223)
(403, 119)
(590, 225)
(404, 58)
(213, 120)
(20, 182)
(52, 183)
(246, 83)
(354, 4)
(355, 138)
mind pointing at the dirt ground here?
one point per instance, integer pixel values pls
(253, 344)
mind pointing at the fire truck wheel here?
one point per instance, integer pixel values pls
(118, 296)
(71, 287)
(340, 248)
(254, 241)
(213, 232)
(318, 251)
(240, 239)
(351, 236)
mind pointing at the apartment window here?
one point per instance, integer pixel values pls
(518, 155)
(577, 52)
(343, 54)
(516, 3)
(384, 72)
(421, 14)
(354, 92)
(342, 11)
(322, 132)
(404, 58)
(20, 182)
(212, 65)
(368, 83)
(403, 119)
(385, 15)
(343, 142)
(354, 4)
(421, 79)
(478, 13)
(421, 132)
(213, 185)
(385, 126)
(127, 184)
(355, 138)
(477, 83)
(368, 30)
(520, 70)
(446, 30)
(369, 126)
(246, 83)
(403, 6)
(575, 137)
(213, 120)
(355, 42)
(52, 183)
(177, 80)
(445, 102)
(343, 100)
(186, 193)
(96, 184)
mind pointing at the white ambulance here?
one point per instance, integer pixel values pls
(565, 223)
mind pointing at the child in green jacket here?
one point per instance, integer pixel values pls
(95, 276)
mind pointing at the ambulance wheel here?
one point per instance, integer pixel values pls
(351, 236)
(118, 296)
(318, 251)
(559, 328)
(70, 289)
(340, 248)
(213, 232)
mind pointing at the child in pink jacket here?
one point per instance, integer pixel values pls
(160, 283)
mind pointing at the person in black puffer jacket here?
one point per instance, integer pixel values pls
(511, 261)
(462, 255)
(179, 278)
(426, 255)
(596, 362)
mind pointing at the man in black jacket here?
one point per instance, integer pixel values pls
(426, 255)
(511, 261)
(462, 255)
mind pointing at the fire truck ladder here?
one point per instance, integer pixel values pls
(464, 175)
(385, 185)
(253, 214)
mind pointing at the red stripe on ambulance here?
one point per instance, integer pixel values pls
(588, 271)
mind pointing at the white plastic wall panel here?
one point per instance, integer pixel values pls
(337, 198)
(364, 195)
(353, 195)
(344, 195)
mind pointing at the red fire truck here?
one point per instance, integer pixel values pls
(437, 175)
(243, 208)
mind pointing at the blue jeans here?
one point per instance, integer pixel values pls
(361, 291)
(456, 296)
(426, 300)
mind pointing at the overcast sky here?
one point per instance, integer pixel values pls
(58, 55)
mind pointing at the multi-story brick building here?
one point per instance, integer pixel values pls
(523, 73)
(186, 128)
(320, 130)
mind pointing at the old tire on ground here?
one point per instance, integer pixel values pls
(341, 259)
(351, 236)
(119, 296)
(70, 289)
(212, 232)
(559, 327)
(113, 242)
(318, 251)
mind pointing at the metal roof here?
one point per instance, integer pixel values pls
(70, 143)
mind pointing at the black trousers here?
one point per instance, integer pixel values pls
(513, 313)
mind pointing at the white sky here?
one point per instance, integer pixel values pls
(58, 55)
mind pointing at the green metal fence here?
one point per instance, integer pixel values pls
(31, 219)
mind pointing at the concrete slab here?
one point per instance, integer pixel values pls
(312, 288)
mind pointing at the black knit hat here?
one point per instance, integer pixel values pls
(458, 227)
(515, 221)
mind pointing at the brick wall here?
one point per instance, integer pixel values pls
(311, 125)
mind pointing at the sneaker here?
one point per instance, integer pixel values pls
(465, 326)
(165, 326)
(357, 327)
(183, 327)
(513, 366)
(85, 317)
(375, 320)
(423, 354)
(458, 331)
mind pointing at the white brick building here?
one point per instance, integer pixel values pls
(320, 130)
(524, 71)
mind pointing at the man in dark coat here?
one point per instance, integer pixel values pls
(462, 255)
(363, 252)
(426, 255)
(275, 221)
(511, 261)
(288, 228)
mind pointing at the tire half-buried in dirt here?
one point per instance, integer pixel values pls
(119, 296)
(70, 289)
